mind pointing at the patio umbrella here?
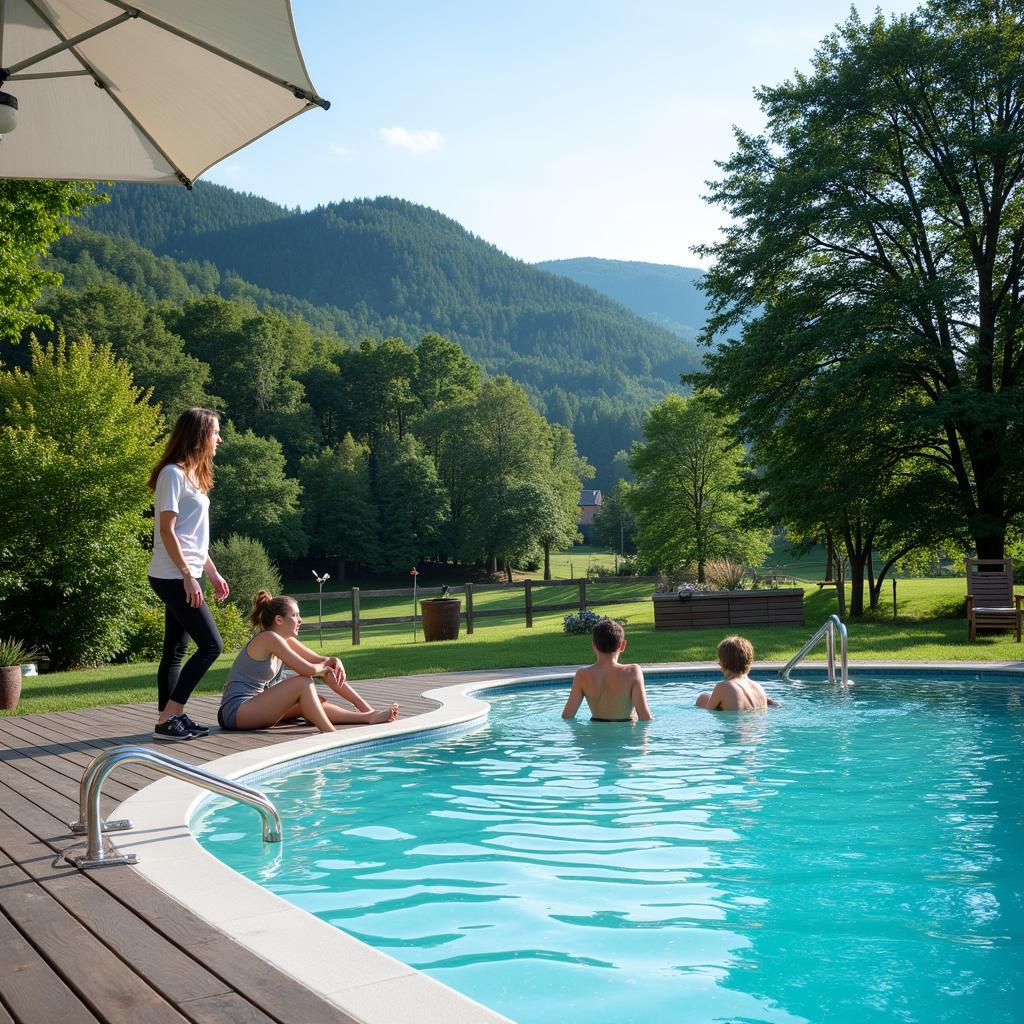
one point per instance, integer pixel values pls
(153, 91)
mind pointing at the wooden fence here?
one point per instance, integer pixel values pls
(467, 590)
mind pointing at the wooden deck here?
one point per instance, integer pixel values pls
(105, 945)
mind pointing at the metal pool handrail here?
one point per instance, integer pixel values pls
(91, 787)
(828, 629)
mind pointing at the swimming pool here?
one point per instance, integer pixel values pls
(846, 858)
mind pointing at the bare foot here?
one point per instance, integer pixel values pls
(383, 716)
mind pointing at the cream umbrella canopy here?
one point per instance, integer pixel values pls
(155, 91)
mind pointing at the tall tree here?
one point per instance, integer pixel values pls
(116, 316)
(339, 511)
(77, 442)
(444, 373)
(253, 495)
(413, 506)
(835, 467)
(32, 215)
(614, 522)
(558, 504)
(879, 224)
(689, 500)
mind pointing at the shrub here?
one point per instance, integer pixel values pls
(233, 627)
(247, 567)
(146, 635)
(146, 639)
(584, 622)
(723, 574)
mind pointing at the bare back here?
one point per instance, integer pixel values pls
(739, 693)
(614, 692)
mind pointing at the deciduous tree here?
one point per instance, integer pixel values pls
(689, 498)
(878, 224)
(32, 215)
(77, 442)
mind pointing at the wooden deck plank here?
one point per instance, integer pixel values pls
(170, 971)
(77, 752)
(106, 945)
(115, 994)
(34, 992)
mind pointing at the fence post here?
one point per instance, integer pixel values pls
(469, 608)
(529, 603)
(355, 616)
(583, 594)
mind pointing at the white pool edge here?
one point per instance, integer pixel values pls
(362, 981)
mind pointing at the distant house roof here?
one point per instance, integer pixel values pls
(590, 497)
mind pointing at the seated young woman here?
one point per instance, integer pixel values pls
(257, 696)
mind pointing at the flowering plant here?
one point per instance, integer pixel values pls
(584, 622)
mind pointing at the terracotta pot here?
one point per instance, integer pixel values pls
(440, 618)
(10, 686)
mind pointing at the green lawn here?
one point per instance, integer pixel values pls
(928, 628)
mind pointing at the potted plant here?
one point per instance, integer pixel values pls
(13, 653)
(441, 616)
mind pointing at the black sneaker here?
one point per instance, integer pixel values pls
(174, 729)
(193, 727)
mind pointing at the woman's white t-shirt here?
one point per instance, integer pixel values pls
(176, 493)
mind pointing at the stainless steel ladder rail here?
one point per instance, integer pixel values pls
(90, 790)
(828, 629)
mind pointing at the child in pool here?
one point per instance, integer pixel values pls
(614, 692)
(256, 695)
(737, 691)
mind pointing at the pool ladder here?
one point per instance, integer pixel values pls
(832, 625)
(90, 822)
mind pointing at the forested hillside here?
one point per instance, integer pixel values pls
(666, 295)
(387, 267)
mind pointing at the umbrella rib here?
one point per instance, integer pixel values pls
(98, 79)
(67, 44)
(297, 91)
(35, 76)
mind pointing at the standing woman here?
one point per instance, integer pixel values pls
(180, 482)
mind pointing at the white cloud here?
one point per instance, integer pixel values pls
(416, 140)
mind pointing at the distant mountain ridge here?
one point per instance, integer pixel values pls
(409, 270)
(666, 295)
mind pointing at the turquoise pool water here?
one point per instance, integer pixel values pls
(844, 858)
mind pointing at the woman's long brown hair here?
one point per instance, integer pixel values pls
(191, 447)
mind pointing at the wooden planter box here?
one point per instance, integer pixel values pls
(702, 609)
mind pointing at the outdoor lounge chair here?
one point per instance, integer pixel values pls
(991, 603)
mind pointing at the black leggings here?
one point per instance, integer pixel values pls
(182, 621)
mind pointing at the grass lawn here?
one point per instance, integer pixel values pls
(928, 628)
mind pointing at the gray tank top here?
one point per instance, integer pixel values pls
(249, 677)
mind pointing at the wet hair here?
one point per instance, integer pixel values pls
(736, 655)
(608, 636)
(190, 446)
(265, 607)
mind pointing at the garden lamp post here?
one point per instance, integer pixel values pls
(321, 580)
(413, 573)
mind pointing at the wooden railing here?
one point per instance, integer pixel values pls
(467, 590)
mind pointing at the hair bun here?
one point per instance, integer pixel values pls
(263, 597)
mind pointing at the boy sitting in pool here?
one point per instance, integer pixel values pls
(614, 692)
(737, 691)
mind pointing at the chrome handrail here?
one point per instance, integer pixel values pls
(828, 629)
(91, 787)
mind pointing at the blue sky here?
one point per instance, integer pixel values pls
(557, 129)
